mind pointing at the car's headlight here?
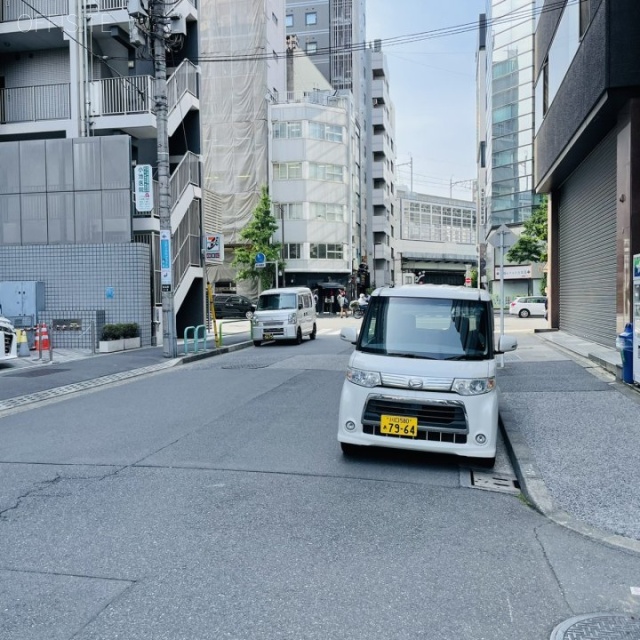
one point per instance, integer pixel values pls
(473, 386)
(364, 378)
(292, 318)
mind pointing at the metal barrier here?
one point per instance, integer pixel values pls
(196, 339)
(218, 335)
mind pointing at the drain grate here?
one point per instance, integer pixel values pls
(494, 482)
(598, 626)
(35, 373)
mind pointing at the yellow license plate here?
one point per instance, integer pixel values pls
(399, 426)
(267, 336)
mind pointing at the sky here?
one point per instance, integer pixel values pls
(433, 88)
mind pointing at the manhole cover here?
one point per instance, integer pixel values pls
(598, 626)
(35, 372)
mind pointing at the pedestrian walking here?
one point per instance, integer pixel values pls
(343, 303)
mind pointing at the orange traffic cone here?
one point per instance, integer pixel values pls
(44, 336)
(36, 342)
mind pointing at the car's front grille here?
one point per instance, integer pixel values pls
(434, 415)
(274, 332)
(423, 434)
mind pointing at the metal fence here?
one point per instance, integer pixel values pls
(31, 104)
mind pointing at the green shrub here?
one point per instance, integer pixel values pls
(122, 330)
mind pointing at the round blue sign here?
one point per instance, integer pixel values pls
(260, 258)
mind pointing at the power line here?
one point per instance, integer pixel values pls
(518, 14)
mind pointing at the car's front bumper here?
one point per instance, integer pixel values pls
(462, 438)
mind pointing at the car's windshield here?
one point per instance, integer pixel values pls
(271, 301)
(430, 328)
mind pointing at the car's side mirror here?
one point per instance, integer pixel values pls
(506, 343)
(349, 334)
(300, 305)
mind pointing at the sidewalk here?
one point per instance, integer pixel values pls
(574, 435)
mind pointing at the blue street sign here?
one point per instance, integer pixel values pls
(260, 258)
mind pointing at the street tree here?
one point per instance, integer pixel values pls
(531, 246)
(258, 235)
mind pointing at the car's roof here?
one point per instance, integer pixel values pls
(443, 291)
(287, 290)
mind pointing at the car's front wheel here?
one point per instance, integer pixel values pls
(312, 335)
(248, 315)
(257, 343)
(299, 336)
(524, 313)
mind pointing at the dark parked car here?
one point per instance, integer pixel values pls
(233, 306)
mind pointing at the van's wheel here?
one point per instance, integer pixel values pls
(350, 449)
(299, 336)
(524, 313)
(257, 343)
(312, 335)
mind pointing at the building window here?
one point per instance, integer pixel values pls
(326, 252)
(288, 20)
(288, 211)
(287, 170)
(322, 131)
(311, 47)
(311, 18)
(287, 129)
(325, 211)
(292, 251)
(325, 172)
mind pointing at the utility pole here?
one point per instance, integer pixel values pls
(282, 249)
(159, 31)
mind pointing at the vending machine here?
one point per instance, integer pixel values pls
(636, 318)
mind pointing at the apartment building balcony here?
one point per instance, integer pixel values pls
(36, 109)
(381, 224)
(127, 103)
(382, 252)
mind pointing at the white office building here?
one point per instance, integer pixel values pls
(438, 239)
(311, 160)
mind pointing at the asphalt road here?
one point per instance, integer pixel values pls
(212, 501)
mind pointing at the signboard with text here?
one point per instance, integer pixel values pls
(165, 260)
(214, 247)
(143, 184)
(516, 272)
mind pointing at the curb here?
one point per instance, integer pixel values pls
(213, 352)
(535, 490)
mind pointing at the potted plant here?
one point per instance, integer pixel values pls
(117, 337)
(131, 335)
(111, 339)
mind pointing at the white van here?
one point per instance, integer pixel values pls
(284, 314)
(423, 373)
